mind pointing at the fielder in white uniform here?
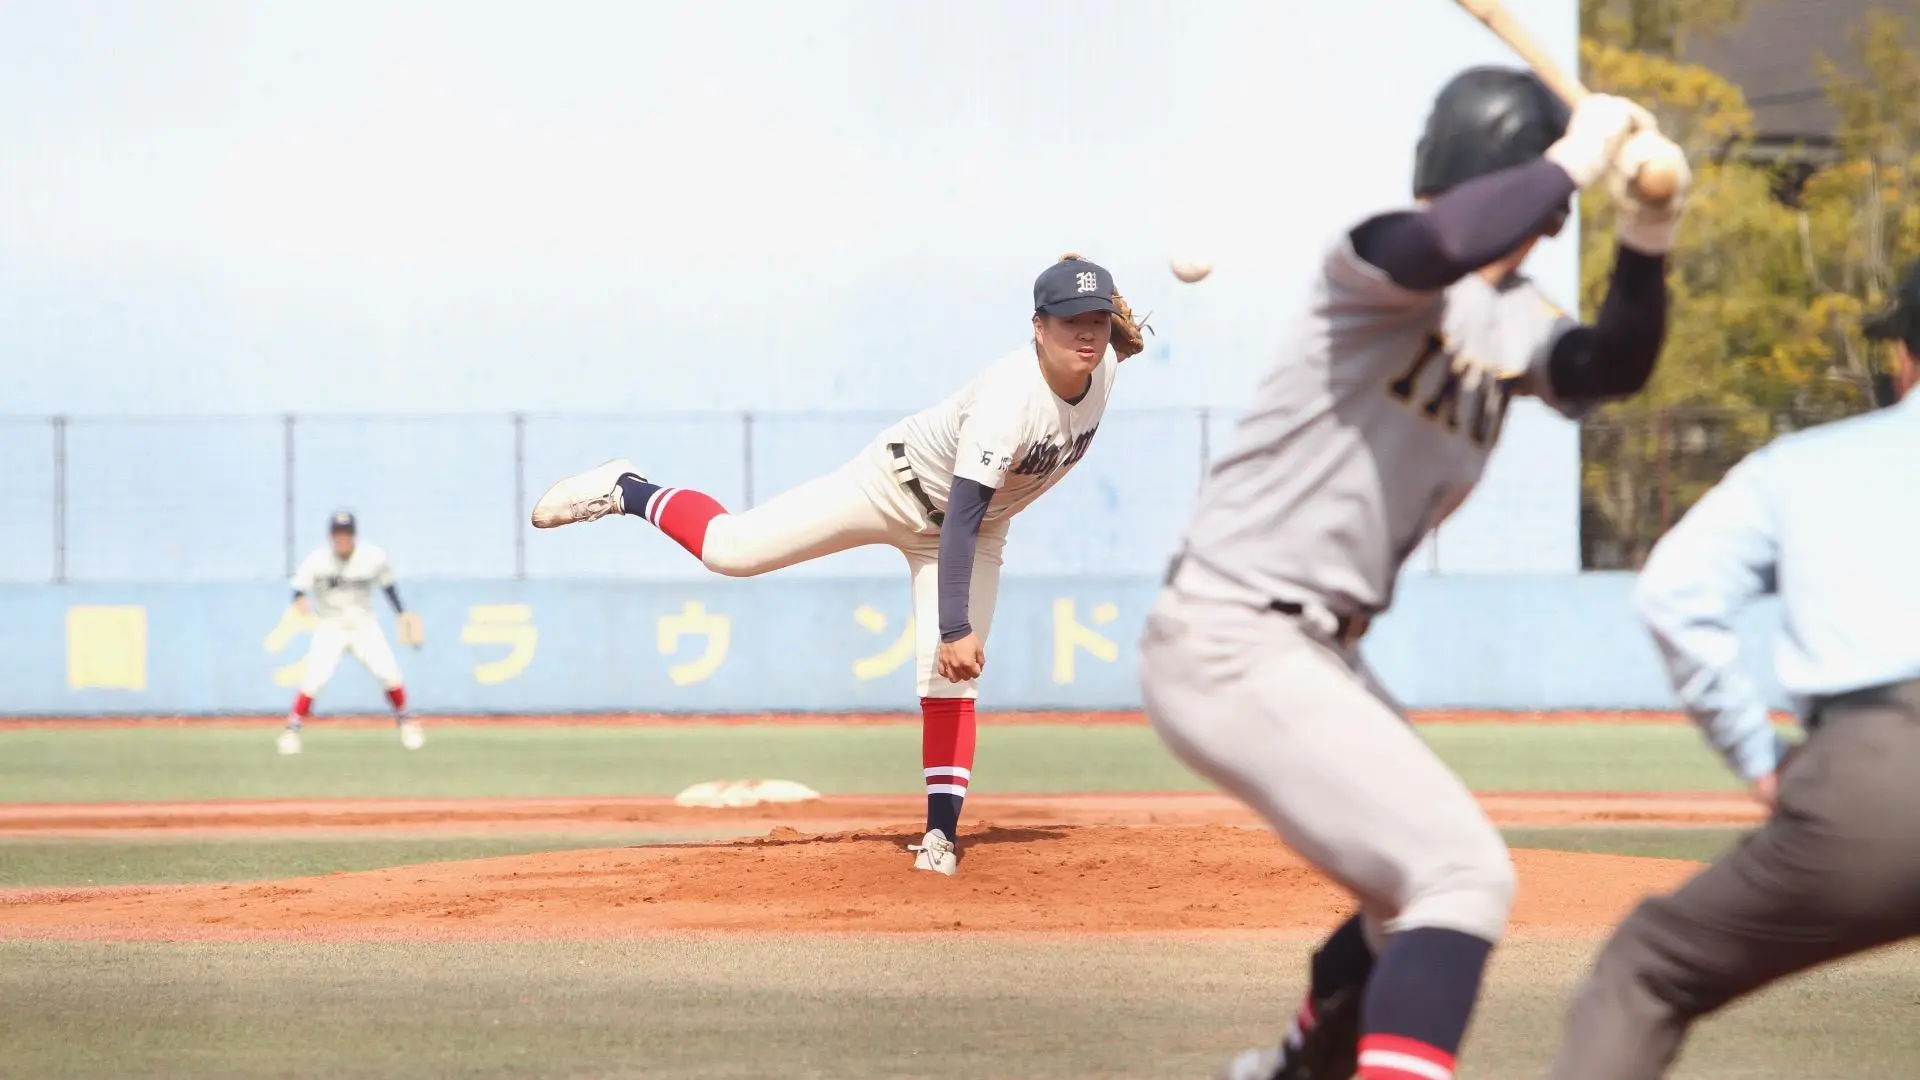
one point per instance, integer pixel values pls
(1373, 425)
(335, 584)
(941, 486)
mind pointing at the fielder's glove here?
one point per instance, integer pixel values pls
(412, 633)
(1128, 337)
(1648, 228)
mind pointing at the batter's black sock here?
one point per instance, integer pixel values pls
(635, 494)
(1418, 1004)
(1324, 1037)
(1343, 960)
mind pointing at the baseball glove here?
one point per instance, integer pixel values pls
(1128, 336)
(412, 633)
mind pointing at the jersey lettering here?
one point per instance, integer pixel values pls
(1403, 386)
(1486, 405)
(1044, 457)
(1446, 398)
(1486, 422)
(1080, 444)
(1039, 461)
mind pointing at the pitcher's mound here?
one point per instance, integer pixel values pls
(1085, 879)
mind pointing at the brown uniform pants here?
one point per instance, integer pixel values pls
(1835, 871)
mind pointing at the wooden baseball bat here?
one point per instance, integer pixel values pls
(1655, 182)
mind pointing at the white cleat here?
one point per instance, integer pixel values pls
(936, 853)
(411, 736)
(588, 496)
(289, 741)
(1261, 1064)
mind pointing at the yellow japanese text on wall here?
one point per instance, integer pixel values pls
(107, 647)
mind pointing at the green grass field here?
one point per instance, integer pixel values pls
(165, 763)
(693, 1005)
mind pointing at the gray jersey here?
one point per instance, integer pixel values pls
(1373, 426)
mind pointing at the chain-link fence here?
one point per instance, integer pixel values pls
(143, 499)
(1641, 470)
(243, 498)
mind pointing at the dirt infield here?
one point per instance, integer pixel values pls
(1046, 879)
(838, 813)
(1046, 864)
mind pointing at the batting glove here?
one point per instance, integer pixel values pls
(1649, 228)
(1600, 126)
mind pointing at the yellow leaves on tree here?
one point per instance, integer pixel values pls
(1773, 269)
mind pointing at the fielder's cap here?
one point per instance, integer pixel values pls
(1073, 287)
(340, 522)
(1901, 321)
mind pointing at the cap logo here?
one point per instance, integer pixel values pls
(1087, 281)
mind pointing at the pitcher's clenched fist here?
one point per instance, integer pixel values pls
(963, 659)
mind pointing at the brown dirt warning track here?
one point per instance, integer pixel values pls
(1042, 864)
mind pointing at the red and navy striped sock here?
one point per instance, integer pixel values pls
(1419, 1002)
(946, 756)
(682, 513)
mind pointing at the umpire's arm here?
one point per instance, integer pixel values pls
(1718, 558)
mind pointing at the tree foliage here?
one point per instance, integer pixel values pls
(1769, 279)
(1655, 27)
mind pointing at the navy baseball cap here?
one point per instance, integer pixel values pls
(341, 522)
(1901, 321)
(1073, 287)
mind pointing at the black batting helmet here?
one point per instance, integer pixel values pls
(1485, 119)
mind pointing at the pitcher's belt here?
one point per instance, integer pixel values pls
(904, 470)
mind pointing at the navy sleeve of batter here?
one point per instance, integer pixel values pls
(393, 597)
(1466, 227)
(966, 509)
(1615, 356)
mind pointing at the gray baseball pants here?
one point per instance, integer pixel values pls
(1834, 871)
(1273, 710)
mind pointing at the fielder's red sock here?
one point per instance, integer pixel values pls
(1418, 1003)
(946, 755)
(300, 711)
(397, 697)
(302, 708)
(682, 513)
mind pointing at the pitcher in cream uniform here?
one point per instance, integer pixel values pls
(941, 486)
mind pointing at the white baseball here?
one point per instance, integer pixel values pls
(1191, 270)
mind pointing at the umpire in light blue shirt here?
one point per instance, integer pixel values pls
(1826, 519)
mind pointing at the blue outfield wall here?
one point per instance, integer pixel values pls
(1502, 643)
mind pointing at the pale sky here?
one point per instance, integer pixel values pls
(233, 206)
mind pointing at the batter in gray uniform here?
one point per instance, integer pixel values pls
(1372, 427)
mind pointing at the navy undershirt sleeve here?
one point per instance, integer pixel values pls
(393, 597)
(1466, 227)
(1615, 356)
(966, 509)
